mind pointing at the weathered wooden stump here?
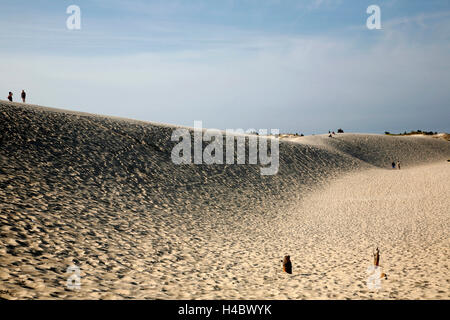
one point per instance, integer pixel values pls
(287, 265)
(376, 258)
(376, 262)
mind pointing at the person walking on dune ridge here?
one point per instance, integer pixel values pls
(10, 96)
(23, 95)
(398, 165)
(393, 164)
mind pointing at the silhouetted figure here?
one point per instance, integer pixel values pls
(393, 164)
(334, 133)
(10, 96)
(398, 165)
(287, 265)
(23, 95)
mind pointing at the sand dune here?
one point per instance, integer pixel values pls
(102, 193)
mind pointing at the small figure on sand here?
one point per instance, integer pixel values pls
(393, 164)
(23, 95)
(10, 96)
(398, 165)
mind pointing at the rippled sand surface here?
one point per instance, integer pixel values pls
(102, 193)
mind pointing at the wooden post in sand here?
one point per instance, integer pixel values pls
(376, 258)
(287, 265)
(376, 263)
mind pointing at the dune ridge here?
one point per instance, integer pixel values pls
(103, 194)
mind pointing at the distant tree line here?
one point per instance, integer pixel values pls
(411, 132)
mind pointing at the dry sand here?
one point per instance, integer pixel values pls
(102, 193)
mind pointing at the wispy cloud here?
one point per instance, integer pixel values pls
(317, 4)
(393, 79)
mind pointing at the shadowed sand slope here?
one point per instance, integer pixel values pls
(102, 193)
(381, 150)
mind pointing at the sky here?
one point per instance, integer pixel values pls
(300, 66)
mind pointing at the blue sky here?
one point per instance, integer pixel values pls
(300, 66)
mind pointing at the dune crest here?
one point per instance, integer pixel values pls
(102, 193)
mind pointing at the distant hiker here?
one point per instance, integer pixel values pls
(334, 133)
(398, 165)
(10, 96)
(393, 164)
(23, 95)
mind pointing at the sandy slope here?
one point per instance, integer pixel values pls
(406, 213)
(102, 193)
